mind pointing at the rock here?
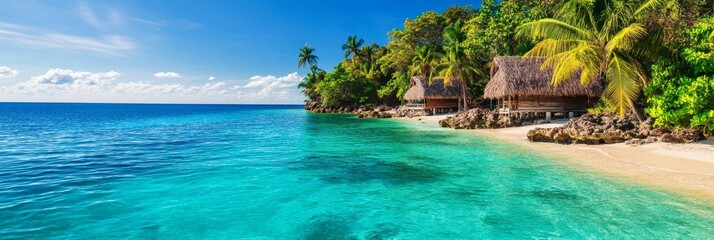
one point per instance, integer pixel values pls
(374, 114)
(638, 142)
(479, 118)
(541, 135)
(667, 137)
(609, 128)
(590, 129)
(683, 135)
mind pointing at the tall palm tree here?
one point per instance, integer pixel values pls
(601, 38)
(456, 65)
(423, 61)
(307, 56)
(352, 47)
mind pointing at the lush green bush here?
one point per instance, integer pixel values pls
(344, 88)
(399, 85)
(682, 92)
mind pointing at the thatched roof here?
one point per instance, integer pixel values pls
(517, 76)
(421, 89)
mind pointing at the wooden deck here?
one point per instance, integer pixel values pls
(415, 106)
(543, 104)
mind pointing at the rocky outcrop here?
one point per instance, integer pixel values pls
(611, 128)
(317, 107)
(360, 111)
(683, 135)
(479, 118)
(375, 114)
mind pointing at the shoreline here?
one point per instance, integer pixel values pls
(683, 169)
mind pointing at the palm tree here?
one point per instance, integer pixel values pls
(309, 83)
(423, 61)
(601, 38)
(456, 65)
(352, 46)
(307, 56)
(367, 53)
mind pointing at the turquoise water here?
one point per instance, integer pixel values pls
(95, 171)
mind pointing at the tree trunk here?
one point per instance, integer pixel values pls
(463, 93)
(637, 112)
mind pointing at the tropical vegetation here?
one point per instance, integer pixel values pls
(682, 91)
(653, 55)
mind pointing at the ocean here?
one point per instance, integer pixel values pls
(143, 171)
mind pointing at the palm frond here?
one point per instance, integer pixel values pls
(437, 70)
(622, 87)
(550, 47)
(566, 64)
(549, 28)
(579, 13)
(648, 5)
(626, 38)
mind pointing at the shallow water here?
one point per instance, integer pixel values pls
(113, 171)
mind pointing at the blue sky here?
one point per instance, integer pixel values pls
(181, 51)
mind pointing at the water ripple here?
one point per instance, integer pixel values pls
(96, 171)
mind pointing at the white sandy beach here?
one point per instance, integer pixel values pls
(686, 169)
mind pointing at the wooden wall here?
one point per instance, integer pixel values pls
(441, 103)
(546, 104)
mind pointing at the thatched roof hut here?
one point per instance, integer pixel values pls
(517, 76)
(421, 89)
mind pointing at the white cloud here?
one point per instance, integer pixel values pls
(62, 81)
(69, 85)
(167, 75)
(112, 17)
(108, 44)
(6, 72)
(290, 80)
(211, 78)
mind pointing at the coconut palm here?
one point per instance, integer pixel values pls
(601, 38)
(307, 56)
(456, 65)
(352, 47)
(309, 83)
(423, 61)
(367, 53)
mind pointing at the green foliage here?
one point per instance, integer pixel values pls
(492, 33)
(607, 38)
(597, 38)
(602, 106)
(352, 46)
(307, 56)
(397, 86)
(455, 64)
(342, 87)
(700, 53)
(682, 93)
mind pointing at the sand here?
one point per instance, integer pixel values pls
(685, 169)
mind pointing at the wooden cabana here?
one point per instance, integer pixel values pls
(520, 87)
(435, 96)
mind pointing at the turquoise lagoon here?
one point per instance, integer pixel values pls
(122, 171)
